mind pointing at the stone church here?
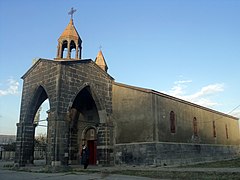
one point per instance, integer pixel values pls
(121, 124)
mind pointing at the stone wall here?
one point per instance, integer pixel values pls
(226, 126)
(164, 154)
(143, 115)
(10, 155)
(132, 114)
(7, 155)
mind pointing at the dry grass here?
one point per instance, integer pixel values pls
(233, 163)
(183, 175)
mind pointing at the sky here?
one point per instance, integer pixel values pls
(187, 49)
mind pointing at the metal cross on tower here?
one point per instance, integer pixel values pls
(71, 12)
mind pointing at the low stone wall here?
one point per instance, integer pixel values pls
(39, 155)
(10, 155)
(164, 154)
(7, 155)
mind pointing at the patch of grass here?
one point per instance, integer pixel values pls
(8, 165)
(154, 173)
(57, 169)
(233, 163)
(70, 173)
(182, 175)
(86, 170)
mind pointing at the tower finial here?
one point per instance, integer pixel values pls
(71, 12)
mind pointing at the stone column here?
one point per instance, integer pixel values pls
(25, 144)
(50, 135)
(80, 52)
(69, 50)
(105, 144)
(60, 50)
(77, 49)
(60, 134)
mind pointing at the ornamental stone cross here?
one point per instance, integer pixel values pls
(71, 12)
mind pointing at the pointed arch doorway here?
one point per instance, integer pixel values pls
(84, 119)
(90, 138)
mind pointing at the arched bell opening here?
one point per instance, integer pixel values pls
(73, 50)
(83, 114)
(64, 48)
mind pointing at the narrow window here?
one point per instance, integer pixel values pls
(226, 128)
(172, 122)
(195, 128)
(214, 129)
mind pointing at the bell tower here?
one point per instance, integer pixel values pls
(69, 43)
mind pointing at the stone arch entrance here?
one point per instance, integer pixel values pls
(84, 118)
(26, 127)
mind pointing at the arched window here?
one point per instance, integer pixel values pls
(226, 128)
(195, 128)
(172, 122)
(214, 129)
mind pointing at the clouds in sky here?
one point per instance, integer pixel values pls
(12, 88)
(201, 97)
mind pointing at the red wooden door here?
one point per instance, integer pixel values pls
(92, 146)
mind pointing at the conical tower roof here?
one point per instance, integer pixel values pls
(70, 31)
(100, 61)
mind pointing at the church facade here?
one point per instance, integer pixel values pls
(121, 124)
